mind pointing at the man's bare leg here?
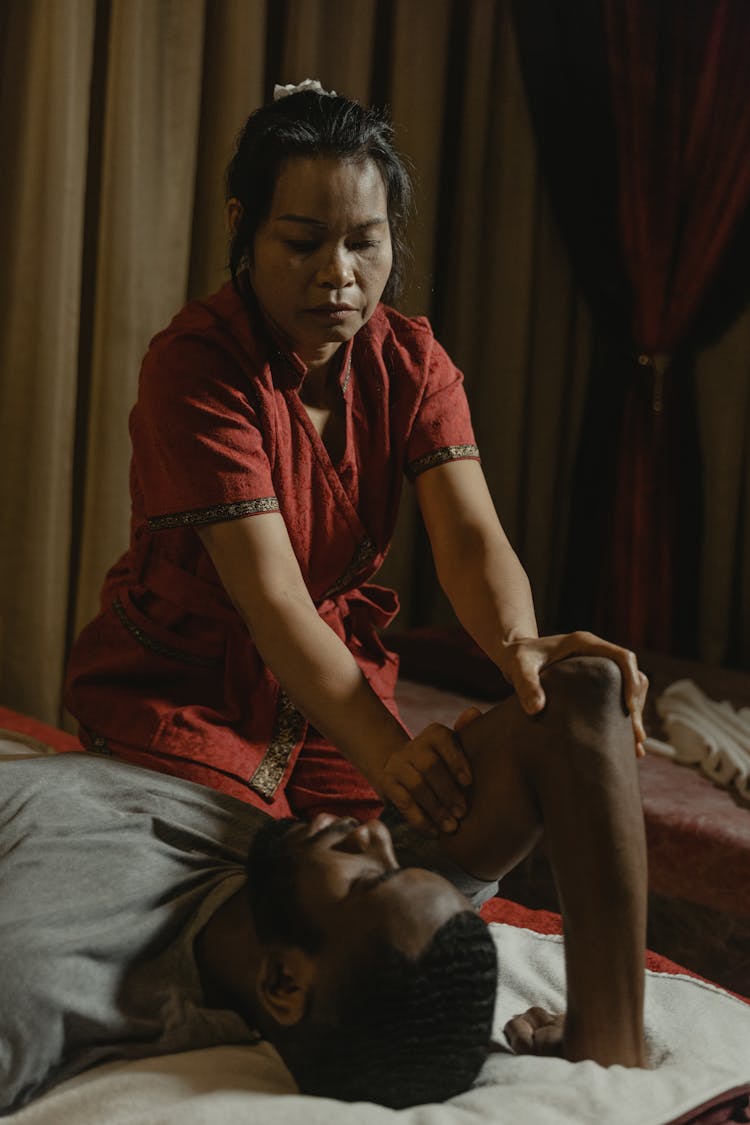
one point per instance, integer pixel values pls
(571, 772)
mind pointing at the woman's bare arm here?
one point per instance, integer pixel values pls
(490, 592)
(258, 568)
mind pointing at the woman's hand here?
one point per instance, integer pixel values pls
(425, 778)
(522, 661)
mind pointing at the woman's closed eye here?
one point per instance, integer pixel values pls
(307, 246)
(301, 246)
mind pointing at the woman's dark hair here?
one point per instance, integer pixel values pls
(407, 1031)
(308, 124)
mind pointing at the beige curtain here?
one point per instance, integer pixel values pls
(47, 54)
(513, 320)
(723, 404)
(143, 233)
(117, 118)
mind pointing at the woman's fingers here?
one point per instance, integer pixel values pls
(425, 780)
(635, 684)
(447, 746)
(637, 714)
(466, 717)
(400, 796)
(526, 658)
(525, 678)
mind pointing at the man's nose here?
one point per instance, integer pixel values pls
(373, 838)
(359, 839)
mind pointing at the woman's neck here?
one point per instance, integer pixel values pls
(317, 386)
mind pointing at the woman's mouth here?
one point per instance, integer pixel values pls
(333, 313)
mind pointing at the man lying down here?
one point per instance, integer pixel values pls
(143, 914)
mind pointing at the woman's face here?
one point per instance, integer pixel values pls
(323, 256)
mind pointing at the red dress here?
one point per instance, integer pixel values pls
(166, 675)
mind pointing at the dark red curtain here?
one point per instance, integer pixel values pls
(680, 79)
(641, 110)
(680, 75)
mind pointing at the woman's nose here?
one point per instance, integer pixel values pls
(337, 272)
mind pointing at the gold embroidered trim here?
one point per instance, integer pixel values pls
(347, 376)
(287, 732)
(219, 512)
(439, 457)
(365, 552)
(157, 646)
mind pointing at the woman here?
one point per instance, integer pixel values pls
(237, 641)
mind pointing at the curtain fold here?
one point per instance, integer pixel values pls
(47, 57)
(722, 388)
(641, 112)
(117, 118)
(316, 32)
(417, 69)
(681, 97)
(144, 223)
(510, 313)
(234, 55)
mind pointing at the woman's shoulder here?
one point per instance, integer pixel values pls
(218, 323)
(387, 321)
(410, 338)
(207, 350)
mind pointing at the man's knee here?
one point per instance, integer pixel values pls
(589, 686)
(587, 720)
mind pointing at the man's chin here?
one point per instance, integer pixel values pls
(272, 886)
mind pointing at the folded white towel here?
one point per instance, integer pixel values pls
(701, 732)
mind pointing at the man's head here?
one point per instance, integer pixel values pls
(376, 982)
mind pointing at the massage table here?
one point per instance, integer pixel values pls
(698, 1035)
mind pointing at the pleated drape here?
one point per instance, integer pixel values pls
(117, 118)
(642, 130)
(681, 102)
(143, 221)
(47, 60)
(507, 308)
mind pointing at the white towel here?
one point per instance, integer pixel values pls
(14, 744)
(713, 736)
(698, 1040)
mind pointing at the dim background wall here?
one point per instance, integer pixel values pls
(117, 118)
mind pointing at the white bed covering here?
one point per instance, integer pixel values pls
(698, 1036)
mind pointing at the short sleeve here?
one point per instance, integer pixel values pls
(442, 429)
(198, 447)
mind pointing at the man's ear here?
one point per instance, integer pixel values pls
(234, 213)
(284, 983)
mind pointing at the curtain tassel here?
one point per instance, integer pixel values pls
(658, 364)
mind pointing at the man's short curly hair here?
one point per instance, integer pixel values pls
(407, 1030)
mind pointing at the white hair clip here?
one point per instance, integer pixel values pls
(310, 85)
